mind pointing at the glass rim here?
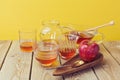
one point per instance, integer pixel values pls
(52, 22)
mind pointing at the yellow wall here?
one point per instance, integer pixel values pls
(29, 14)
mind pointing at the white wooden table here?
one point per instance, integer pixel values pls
(25, 67)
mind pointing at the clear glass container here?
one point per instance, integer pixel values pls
(47, 53)
(50, 30)
(47, 49)
(82, 32)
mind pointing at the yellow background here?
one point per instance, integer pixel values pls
(30, 13)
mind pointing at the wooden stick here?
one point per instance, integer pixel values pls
(104, 25)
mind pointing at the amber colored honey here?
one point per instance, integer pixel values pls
(46, 62)
(26, 46)
(67, 53)
(79, 36)
(84, 36)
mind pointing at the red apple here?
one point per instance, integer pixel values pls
(88, 51)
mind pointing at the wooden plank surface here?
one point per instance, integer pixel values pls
(4, 46)
(41, 73)
(86, 74)
(109, 69)
(16, 65)
(114, 49)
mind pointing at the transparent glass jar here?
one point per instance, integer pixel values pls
(50, 30)
(46, 53)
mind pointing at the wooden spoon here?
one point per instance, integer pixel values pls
(74, 65)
